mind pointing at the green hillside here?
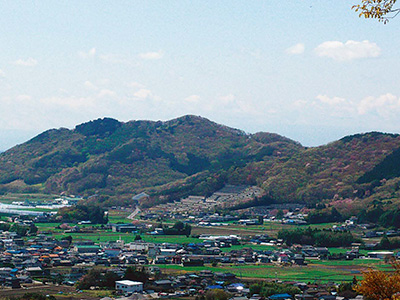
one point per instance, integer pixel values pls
(329, 171)
(120, 159)
(192, 155)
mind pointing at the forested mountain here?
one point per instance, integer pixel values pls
(120, 159)
(329, 171)
(192, 155)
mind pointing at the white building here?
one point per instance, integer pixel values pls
(381, 254)
(128, 286)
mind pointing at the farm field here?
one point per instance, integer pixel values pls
(226, 230)
(109, 236)
(119, 216)
(276, 226)
(59, 291)
(270, 228)
(362, 263)
(315, 271)
(20, 197)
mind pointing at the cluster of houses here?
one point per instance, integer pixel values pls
(34, 256)
(24, 261)
(37, 256)
(196, 205)
(44, 258)
(196, 210)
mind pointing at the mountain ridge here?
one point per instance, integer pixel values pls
(189, 155)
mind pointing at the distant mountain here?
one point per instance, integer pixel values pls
(193, 155)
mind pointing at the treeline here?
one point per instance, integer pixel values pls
(22, 230)
(179, 228)
(266, 289)
(106, 279)
(93, 213)
(100, 127)
(327, 215)
(385, 218)
(317, 237)
(388, 244)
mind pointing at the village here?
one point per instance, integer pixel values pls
(231, 253)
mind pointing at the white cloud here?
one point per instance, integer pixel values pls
(143, 94)
(2, 74)
(88, 54)
(106, 93)
(331, 100)
(227, 99)
(300, 103)
(383, 105)
(152, 55)
(96, 86)
(30, 62)
(347, 51)
(115, 59)
(374, 111)
(90, 85)
(71, 102)
(249, 108)
(296, 49)
(193, 99)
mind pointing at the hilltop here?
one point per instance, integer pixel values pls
(193, 155)
(120, 159)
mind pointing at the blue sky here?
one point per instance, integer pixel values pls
(310, 70)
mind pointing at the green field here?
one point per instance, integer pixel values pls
(365, 263)
(105, 236)
(303, 273)
(270, 228)
(323, 271)
(276, 226)
(11, 197)
(174, 239)
(118, 216)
